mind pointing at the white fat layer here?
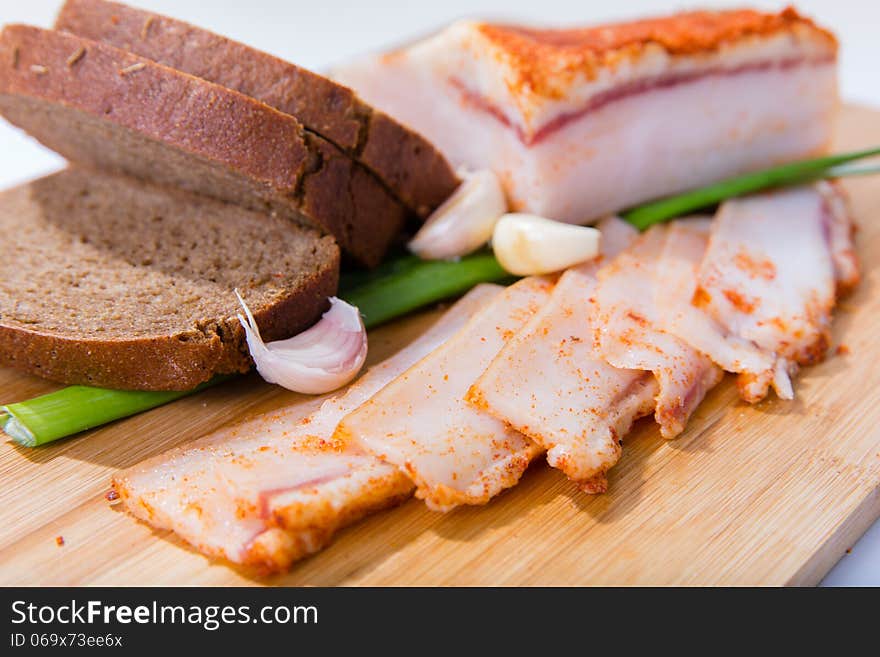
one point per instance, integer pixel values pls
(547, 384)
(455, 453)
(628, 151)
(628, 332)
(677, 275)
(214, 493)
(754, 275)
(740, 293)
(464, 52)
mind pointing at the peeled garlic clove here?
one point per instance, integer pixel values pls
(528, 245)
(464, 222)
(318, 360)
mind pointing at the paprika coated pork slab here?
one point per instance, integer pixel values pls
(276, 488)
(579, 123)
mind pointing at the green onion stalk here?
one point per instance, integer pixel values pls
(74, 409)
(397, 288)
(400, 286)
(421, 283)
(794, 173)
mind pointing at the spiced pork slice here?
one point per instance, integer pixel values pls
(408, 164)
(120, 283)
(98, 105)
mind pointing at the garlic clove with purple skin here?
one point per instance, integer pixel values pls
(320, 359)
(464, 222)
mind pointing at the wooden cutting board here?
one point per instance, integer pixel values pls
(770, 494)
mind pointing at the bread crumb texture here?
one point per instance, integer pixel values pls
(106, 262)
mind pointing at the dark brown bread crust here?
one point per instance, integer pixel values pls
(95, 232)
(411, 167)
(100, 106)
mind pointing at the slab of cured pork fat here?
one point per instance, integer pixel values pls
(455, 453)
(579, 123)
(276, 488)
(762, 281)
(547, 383)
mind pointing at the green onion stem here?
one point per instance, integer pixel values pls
(845, 172)
(403, 285)
(422, 282)
(76, 408)
(398, 287)
(395, 265)
(793, 173)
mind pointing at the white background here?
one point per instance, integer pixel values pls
(318, 33)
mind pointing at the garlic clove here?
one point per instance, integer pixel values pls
(529, 245)
(320, 359)
(464, 222)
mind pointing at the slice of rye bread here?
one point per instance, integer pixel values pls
(120, 283)
(101, 106)
(412, 168)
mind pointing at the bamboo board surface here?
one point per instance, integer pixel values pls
(772, 494)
